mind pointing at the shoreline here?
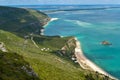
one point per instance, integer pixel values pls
(85, 63)
(52, 19)
(42, 30)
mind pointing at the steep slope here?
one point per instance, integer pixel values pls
(23, 21)
(40, 52)
(13, 67)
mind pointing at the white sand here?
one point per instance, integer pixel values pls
(85, 63)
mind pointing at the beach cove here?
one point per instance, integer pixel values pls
(91, 27)
(83, 61)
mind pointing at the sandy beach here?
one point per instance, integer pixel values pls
(85, 63)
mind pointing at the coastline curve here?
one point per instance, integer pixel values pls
(85, 63)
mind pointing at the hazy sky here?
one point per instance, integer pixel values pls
(44, 2)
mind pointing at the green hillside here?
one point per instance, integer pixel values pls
(13, 67)
(39, 53)
(23, 21)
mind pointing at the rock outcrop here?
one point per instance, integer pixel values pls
(106, 43)
(2, 47)
(69, 47)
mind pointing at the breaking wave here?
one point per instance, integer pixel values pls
(54, 19)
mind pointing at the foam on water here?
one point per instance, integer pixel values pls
(80, 23)
(54, 19)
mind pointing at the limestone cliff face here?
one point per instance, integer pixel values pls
(2, 47)
(69, 47)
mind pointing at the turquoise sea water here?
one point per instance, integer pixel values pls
(91, 25)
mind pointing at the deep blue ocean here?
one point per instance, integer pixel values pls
(91, 24)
